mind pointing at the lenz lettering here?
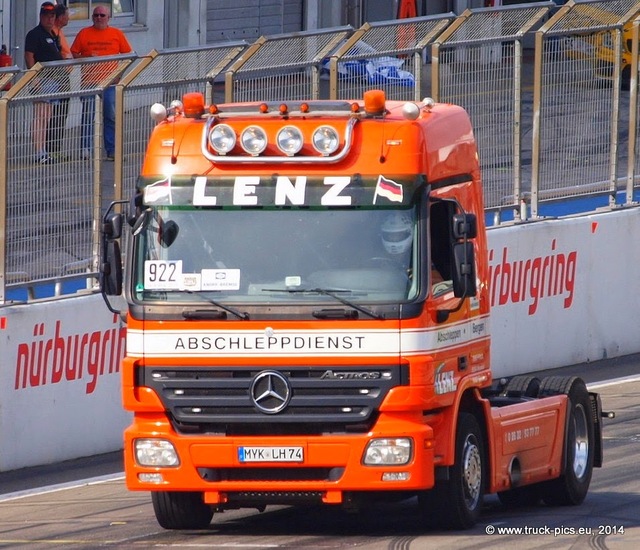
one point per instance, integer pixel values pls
(286, 192)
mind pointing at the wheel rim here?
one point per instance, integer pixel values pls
(581, 442)
(471, 472)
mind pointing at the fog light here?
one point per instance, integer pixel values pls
(156, 452)
(151, 478)
(396, 476)
(388, 451)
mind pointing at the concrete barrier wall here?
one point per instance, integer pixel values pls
(59, 381)
(564, 291)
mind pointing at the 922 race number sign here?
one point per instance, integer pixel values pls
(162, 275)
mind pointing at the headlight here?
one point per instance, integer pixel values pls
(388, 452)
(325, 140)
(289, 140)
(156, 452)
(254, 140)
(222, 138)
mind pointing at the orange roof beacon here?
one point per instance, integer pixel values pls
(308, 319)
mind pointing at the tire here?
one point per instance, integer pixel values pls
(456, 503)
(181, 510)
(572, 486)
(527, 386)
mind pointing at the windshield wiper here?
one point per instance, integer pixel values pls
(333, 293)
(335, 313)
(211, 314)
(204, 314)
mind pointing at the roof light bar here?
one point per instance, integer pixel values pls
(325, 140)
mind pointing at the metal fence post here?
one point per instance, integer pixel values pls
(633, 116)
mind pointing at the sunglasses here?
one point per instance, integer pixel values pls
(99, 15)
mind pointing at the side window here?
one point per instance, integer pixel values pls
(440, 238)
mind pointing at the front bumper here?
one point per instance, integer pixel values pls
(332, 465)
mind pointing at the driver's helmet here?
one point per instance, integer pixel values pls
(397, 233)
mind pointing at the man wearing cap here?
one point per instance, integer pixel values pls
(41, 45)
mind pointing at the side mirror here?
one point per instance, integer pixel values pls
(464, 275)
(111, 269)
(112, 227)
(167, 233)
(110, 256)
(465, 226)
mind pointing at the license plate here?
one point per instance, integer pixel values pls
(270, 454)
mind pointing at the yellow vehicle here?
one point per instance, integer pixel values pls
(599, 46)
(605, 53)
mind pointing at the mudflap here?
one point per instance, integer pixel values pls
(596, 414)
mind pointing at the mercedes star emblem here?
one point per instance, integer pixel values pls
(270, 392)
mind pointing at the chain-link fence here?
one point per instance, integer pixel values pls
(51, 170)
(578, 81)
(478, 62)
(552, 94)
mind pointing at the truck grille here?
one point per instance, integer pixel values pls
(277, 401)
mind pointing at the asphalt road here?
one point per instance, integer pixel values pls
(84, 504)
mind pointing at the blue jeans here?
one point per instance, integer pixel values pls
(108, 119)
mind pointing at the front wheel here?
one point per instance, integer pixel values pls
(579, 446)
(456, 502)
(181, 510)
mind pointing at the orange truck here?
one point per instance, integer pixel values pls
(308, 319)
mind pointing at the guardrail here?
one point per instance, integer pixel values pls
(552, 93)
(51, 204)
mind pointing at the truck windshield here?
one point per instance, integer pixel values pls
(277, 256)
